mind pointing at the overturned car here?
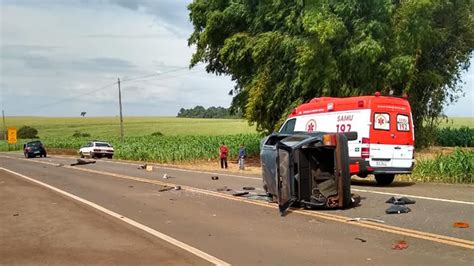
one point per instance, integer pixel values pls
(307, 169)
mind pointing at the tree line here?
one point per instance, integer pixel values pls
(283, 53)
(211, 112)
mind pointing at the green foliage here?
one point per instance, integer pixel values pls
(165, 149)
(78, 134)
(211, 112)
(457, 167)
(27, 132)
(451, 137)
(285, 52)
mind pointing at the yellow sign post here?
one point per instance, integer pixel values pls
(11, 135)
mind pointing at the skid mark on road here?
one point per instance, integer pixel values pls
(337, 218)
(129, 221)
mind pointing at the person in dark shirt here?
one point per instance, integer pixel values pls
(223, 151)
(242, 156)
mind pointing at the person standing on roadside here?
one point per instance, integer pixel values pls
(242, 156)
(223, 151)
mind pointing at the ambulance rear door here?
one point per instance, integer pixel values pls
(391, 138)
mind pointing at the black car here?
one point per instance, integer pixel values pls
(307, 169)
(33, 149)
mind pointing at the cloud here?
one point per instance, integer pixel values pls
(171, 14)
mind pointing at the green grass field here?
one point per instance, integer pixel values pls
(457, 122)
(109, 127)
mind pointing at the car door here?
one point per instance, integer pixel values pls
(285, 182)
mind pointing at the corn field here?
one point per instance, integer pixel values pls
(457, 167)
(164, 149)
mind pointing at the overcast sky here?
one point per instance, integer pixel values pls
(58, 58)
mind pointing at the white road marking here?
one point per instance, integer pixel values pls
(131, 222)
(258, 178)
(413, 196)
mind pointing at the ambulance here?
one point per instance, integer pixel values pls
(384, 125)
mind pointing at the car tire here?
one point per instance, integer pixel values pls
(81, 154)
(45, 155)
(384, 179)
(109, 156)
(92, 155)
(27, 155)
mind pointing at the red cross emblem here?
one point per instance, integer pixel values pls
(381, 121)
(311, 125)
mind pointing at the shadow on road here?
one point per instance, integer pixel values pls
(372, 183)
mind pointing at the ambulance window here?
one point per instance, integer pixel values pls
(382, 121)
(403, 123)
(289, 126)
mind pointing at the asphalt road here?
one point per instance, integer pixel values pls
(240, 230)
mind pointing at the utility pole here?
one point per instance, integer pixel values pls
(120, 105)
(4, 126)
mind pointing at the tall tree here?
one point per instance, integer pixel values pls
(282, 53)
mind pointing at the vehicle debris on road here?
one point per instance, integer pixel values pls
(214, 177)
(358, 219)
(402, 244)
(224, 188)
(400, 200)
(460, 225)
(240, 193)
(397, 209)
(248, 188)
(360, 239)
(83, 161)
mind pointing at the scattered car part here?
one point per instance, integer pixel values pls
(397, 209)
(166, 188)
(214, 177)
(248, 188)
(83, 161)
(177, 188)
(400, 200)
(239, 194)
(402, 244)
(358, 219)
(360, 239)
(224, 188)
(461, 225)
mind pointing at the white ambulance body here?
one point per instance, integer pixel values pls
(385, 136)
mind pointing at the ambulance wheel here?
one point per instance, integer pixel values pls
(384, 179)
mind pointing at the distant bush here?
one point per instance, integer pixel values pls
(27, 132)
(450, 137)
(78, 134)
(156, 134)
(457, 167)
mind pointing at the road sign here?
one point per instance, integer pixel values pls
(11, 135)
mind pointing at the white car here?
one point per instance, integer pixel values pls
(97, 149)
